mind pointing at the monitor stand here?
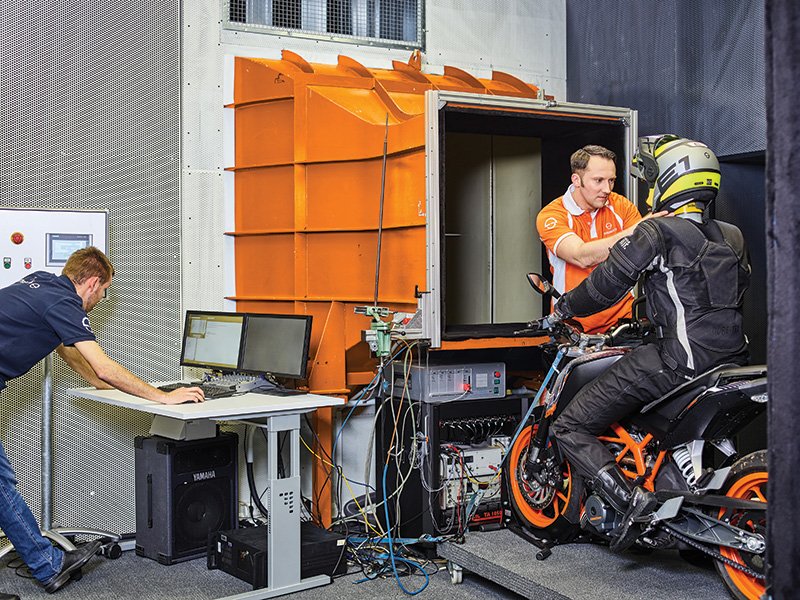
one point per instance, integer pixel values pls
(271, 389)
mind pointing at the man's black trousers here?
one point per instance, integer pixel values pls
(625, 388)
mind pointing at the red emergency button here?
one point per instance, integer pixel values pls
(497, 373)
(17, 238)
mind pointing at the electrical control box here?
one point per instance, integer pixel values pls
(41, 239)
(469, 473)
(446, 383)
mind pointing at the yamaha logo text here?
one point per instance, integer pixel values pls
(203, 475)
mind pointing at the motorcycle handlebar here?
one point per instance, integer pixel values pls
(617, 331)
(577, 337)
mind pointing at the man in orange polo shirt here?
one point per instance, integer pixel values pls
(580, 227)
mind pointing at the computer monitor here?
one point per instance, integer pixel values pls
(276, 345)
(212, 340)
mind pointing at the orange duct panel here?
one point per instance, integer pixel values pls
(342, 265)
(336, 132)
(412, 103)
(265, 265)
(255, 80)
(264, 134)
(298, 61)
(512, 86)
(309, 148)
(360, 106)
(465, 79)
(264, 199)
(411, 72)
(357, 186)
(269, 307)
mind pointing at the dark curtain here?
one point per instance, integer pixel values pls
(783, 242)
(696, 70)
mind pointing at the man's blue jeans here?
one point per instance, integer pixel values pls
(16, 520)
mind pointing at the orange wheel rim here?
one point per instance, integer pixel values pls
(538, 517)
(751, 487)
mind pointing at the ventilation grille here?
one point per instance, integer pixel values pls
(95, 124)
(393, 23)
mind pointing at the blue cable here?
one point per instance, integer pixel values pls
(366, 486)
(358, 401)
(391, 546)
(524, 421)
(349, 414)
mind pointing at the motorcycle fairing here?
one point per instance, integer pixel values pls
(702, 408)
(580, 372)
(717, 413)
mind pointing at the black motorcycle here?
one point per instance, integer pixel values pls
(711, 500)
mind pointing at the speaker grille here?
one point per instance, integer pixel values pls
(95, 124)
(200, 508)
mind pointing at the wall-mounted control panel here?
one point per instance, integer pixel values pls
(43, 239)
(446, 383)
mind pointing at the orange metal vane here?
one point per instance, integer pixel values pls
(308, 161)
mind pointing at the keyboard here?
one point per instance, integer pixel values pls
(209, 389)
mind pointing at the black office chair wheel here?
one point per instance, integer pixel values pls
(111, 550)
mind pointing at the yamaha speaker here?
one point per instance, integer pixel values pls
(185, 490)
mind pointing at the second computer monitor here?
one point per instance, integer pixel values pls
(276, 345)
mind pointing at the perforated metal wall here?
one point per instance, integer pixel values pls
(90, 118)
(691, 68)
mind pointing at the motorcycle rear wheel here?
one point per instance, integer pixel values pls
(747, 480)
(540, 508)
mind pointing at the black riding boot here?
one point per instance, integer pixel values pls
(632, 502)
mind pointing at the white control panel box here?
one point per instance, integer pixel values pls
(42, 239)
(468, 471)
(446, 383)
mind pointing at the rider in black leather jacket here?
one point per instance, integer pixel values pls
(695, 272)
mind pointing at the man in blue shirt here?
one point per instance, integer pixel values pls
(41, 313)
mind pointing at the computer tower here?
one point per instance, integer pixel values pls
(243, 553)
(185, 491)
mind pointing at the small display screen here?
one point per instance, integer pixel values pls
(212, 340)
(61, 245)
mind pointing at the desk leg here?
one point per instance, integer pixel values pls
(283, 504)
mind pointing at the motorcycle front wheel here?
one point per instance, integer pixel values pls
(747, 480)
(540, 508)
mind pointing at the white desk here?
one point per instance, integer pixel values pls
(276, 414)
